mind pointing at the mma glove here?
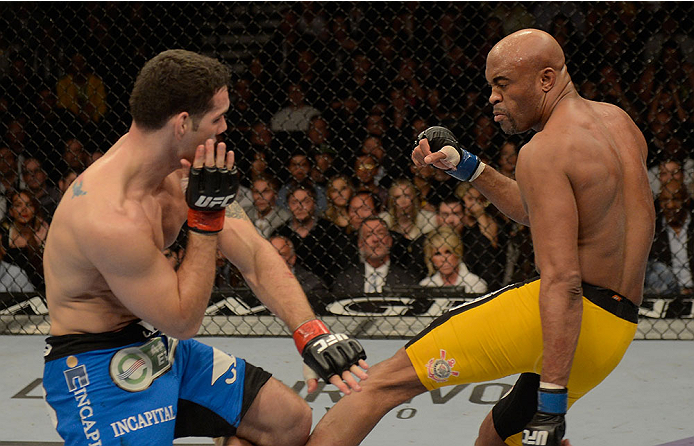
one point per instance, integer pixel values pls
(469, 167)
(210, 190)
(548, 425)
(325, 353)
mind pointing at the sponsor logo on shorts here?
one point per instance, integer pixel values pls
(77, 380)
(143, 420)
(440, 369)
(135, 368)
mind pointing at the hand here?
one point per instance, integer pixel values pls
(333, 357)
(447, 154)
(545, 429)
(548, 425)
(212, 185)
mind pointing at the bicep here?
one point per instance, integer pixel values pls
(138, 274)
(553, 214)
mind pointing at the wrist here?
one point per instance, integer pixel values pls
(205, 222)
(307, 331)
(552, 399)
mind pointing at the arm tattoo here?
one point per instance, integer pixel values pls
(234, 210)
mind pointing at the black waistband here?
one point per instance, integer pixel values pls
(611, 301)
(72, 344)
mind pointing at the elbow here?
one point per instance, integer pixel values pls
(184, 332)
(567, 283)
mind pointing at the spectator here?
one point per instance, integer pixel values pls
(507, 159)
(299, 167)
(317, 242)
(362, 205)
(322, 149)
(35, 178)
(404, 215)
(475, 205)
(312, 285)
(339, 194)
(74, 157)
(674, 165)
(674, 235)
(50, 124)
(295, 117)
(366, 168)
(443, 253)
(82, 92)
(264, 214)
(9, 175)
(13, 279)
(376, 272)
(66, 181)
(24, 233)
(422, 178)
(373, 146)
(481, 256)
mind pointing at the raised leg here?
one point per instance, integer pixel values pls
(389, 384)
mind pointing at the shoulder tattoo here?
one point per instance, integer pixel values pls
(234, 210)
(77, 187)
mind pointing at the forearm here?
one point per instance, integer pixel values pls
(195, 280)
(276, 287)
(503, 192)
(561, 309)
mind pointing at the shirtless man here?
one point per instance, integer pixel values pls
(109, 376)
(583, 190)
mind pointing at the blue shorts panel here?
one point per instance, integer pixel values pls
(147, 392)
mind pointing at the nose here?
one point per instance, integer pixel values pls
(494, 97)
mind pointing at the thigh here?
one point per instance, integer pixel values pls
(497, 335)
(216, 390)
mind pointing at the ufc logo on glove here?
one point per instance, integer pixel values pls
(204, 201)
(538, 438)
(329, 340)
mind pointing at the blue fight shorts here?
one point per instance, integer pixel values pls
(137, 386)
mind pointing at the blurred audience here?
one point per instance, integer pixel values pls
(265, 214)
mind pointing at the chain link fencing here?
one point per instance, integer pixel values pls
(326, 100)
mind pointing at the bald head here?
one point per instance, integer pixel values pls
(530, 48)
(527, 73)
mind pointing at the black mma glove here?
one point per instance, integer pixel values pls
(469, 167)
(548, 425)
(210, 190)
(325, 353)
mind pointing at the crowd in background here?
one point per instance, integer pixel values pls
(324, 111)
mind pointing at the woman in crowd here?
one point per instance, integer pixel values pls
(340, 191)
(404, 215)
(24, 234)
(443, 254)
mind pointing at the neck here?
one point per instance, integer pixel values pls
(551, 103)
(148, 157)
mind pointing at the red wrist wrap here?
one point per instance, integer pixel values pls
(205, 221)
(307, 331)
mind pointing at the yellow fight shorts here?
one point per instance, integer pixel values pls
(500, 334)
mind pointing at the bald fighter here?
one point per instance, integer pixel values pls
(581, 186)
(119, 365)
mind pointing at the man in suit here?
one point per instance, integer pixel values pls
(674, 241)
(376, 272)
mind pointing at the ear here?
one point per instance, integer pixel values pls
(548, 78)
(182, 123)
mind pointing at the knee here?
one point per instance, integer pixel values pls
(393, 380)
(297, 425)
